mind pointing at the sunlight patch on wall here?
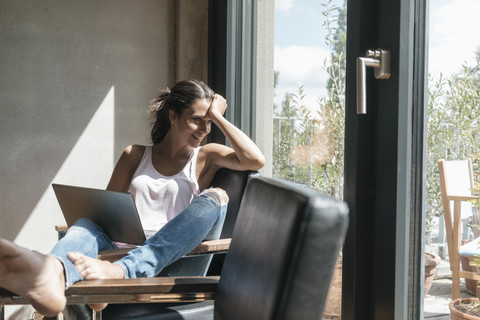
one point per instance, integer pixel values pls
(89, 164)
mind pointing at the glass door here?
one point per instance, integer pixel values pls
(382, 150)
(384, 161)
(374, 161)
(309, 104)
(453, 130)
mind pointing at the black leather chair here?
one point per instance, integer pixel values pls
(234, 183)
(281, 259)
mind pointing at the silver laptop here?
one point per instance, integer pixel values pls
(115, 212)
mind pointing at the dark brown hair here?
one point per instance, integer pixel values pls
(177, 99)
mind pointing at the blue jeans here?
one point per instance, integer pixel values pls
(201, 220)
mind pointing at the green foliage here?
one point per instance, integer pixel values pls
(453, 129)
(309, 141)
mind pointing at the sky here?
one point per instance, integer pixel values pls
(454, 34)
(300, 50)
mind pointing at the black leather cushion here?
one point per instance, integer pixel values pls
(282, 254)
(234, 183)
(280, 263)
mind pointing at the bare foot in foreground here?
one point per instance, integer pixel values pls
(36, 277)
(92, 269)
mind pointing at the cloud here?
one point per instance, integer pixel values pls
(301, 65)
(454, 35)
(283, 5)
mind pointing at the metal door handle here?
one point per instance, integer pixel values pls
(378, 59)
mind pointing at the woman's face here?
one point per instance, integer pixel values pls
(194, 124)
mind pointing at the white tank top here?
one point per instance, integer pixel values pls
(160, 198)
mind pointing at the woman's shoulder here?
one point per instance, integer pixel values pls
(134, 153)
(134, 149)
(125, 168)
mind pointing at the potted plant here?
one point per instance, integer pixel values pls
(465, 309)
(431, 263)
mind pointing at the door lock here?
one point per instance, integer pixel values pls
(378, 59)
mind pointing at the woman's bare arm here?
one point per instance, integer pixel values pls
(125, 168)
(245, 154)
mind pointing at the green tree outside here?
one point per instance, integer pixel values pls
(309, 143)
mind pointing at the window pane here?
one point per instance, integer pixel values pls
(309, 94)
(453, 129)
(309, 104)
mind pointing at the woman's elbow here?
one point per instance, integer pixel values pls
(258, 163)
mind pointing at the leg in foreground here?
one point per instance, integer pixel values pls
(36, 277)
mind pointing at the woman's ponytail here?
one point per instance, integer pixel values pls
(178, 98)
(160, 116)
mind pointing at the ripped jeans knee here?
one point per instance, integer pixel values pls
(217, 193)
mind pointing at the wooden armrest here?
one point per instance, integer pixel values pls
(211, 246)
(61, 228)
(145, 285)
(140, 290)
(206, 247)
(462, 198)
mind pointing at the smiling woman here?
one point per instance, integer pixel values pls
(194, 121)
(171, 104)
(170, 183)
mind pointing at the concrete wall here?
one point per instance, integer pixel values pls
(264, 81)
(76, 78)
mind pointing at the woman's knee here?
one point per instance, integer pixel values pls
(86, 225)
(83, 222)
(221, 195)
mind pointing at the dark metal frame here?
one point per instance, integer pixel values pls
(384, 163)
(419, 145)
(232, 60)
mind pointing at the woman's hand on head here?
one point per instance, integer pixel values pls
(218, 105)
(244, 154)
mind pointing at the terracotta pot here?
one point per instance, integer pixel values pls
(455, 314)
(470, 284)
(431, 263)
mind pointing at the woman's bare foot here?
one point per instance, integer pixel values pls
(92, 269)
(36, 277)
